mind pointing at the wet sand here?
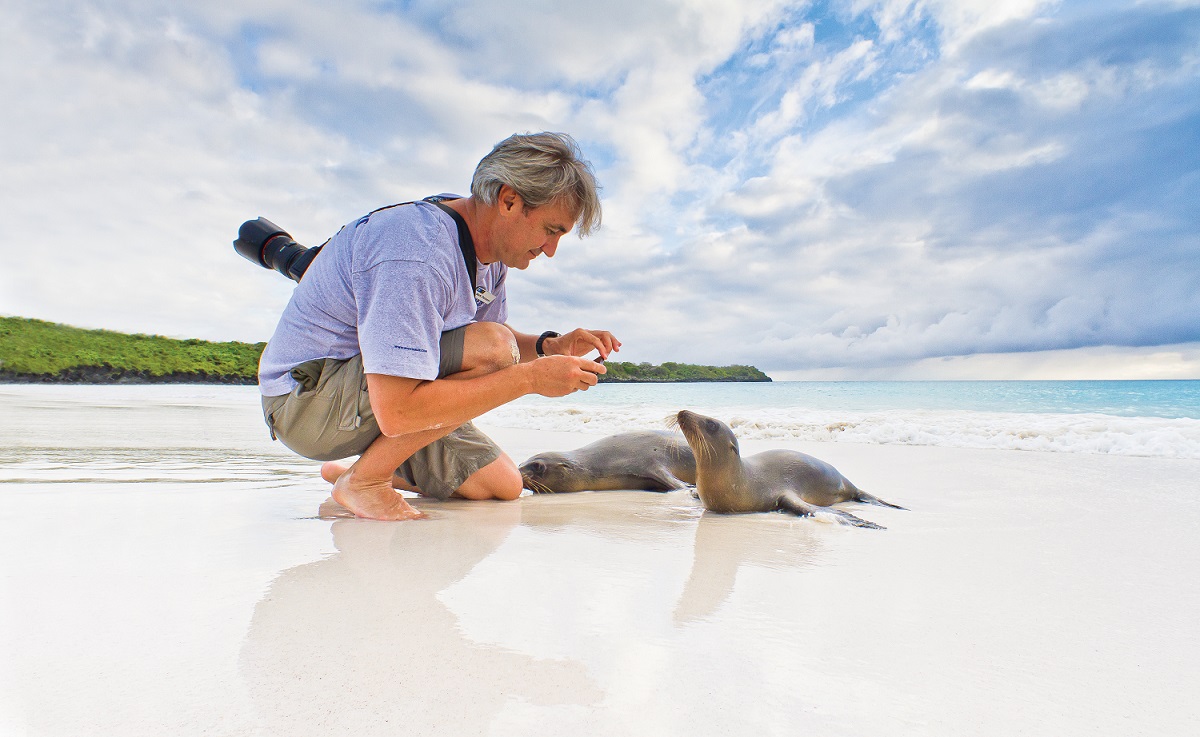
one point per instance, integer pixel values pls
(165, 569)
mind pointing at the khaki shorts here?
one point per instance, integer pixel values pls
(328, 416)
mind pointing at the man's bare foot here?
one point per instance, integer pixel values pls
(331, 471)
(372, 499)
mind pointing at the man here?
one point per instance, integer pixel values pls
(388, 348)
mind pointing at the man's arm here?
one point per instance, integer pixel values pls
(578, 342)
(403, 406)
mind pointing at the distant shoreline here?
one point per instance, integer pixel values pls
(100, 376)
(39, 352)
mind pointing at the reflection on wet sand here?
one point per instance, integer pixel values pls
(632, 516)
(359, 643)
(724, 543)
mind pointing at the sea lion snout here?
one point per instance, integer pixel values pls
(685, 420)
(705, 433)
(694, 425)
(544, 473)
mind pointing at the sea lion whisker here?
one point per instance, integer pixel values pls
(537, 487)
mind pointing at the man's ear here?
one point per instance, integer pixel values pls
(510, 202)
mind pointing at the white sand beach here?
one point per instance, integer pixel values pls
(165, 569)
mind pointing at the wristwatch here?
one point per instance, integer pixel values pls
(537, 347)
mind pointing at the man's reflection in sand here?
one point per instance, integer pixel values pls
(722, 543)
(359, 643)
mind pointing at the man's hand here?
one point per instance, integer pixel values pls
(558, 376)
(579, 342)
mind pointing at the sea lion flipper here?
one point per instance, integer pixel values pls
(667, 480)
(866, 498)
(846, 518)
(791, 502)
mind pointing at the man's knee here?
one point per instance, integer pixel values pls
(503, 483)
(499, 479)
(489, 346)
(508, 489)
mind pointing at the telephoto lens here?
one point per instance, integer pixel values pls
(270, 246)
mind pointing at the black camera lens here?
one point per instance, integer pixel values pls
(270, 246)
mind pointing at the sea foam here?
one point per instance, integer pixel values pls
(1047, 432)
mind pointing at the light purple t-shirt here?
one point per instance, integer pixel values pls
(386, 286)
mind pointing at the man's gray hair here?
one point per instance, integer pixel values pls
(543, 168)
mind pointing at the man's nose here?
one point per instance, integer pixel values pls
(550, 246)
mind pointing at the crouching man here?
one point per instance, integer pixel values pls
(395, 338)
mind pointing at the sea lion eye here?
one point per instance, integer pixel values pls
(710, 425)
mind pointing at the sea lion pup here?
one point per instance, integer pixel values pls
(774, 480)
(652, 460)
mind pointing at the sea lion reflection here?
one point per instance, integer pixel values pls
(722, 544)
(359, 643)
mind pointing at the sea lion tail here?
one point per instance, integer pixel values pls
(866, 498)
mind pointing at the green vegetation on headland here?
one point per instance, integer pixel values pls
(623, 372)
(37, 351)
(34, 351)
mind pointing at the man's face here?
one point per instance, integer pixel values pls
(523, 233)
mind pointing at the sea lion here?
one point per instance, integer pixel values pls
(652, 460)
(774, 480)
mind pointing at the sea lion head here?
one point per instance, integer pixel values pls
(711, 439)
(719, 472)
(551, 473)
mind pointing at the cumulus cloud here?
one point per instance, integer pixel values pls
(968, 208)
(850, 185)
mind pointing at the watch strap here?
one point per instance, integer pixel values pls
(537, 347)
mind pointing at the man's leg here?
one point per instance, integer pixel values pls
(331, 471)
(500, 479)
(366, 488)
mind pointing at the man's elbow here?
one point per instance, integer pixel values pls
(396, 423)
(396, 409)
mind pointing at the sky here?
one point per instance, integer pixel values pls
(840, 189)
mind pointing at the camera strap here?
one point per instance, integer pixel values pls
(465, 243)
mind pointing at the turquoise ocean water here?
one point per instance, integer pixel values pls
(1149, 418)
(1137, 418)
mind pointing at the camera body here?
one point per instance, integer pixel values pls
(270, 246)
